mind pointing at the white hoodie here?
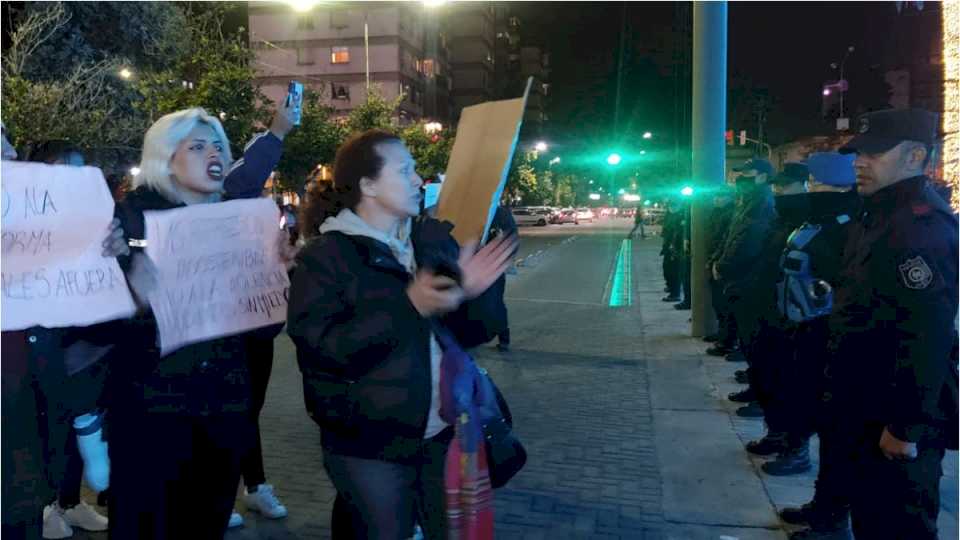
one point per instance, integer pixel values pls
(349, 223)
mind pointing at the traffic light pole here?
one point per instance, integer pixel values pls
(709, 123)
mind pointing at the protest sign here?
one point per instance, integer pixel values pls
(55, 219)
(479, 163)
(219, 270)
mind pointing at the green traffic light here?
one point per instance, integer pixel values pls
(614, 159)
(646, 202)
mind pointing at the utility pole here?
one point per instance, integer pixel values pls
(709, 150)
(366, 48)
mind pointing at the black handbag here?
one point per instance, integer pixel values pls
(505, 453)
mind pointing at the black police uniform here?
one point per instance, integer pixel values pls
(814, 254)
(671, 268)
(718, 228)
(892, 342)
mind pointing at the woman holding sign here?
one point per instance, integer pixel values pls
(368, 293)
(179, 423)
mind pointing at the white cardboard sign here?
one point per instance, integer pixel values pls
(219, 270)
(55, 218)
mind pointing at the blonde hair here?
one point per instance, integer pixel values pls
(161, 142)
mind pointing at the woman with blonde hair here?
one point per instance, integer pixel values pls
(179, 424)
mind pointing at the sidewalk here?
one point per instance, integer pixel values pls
(710, 482)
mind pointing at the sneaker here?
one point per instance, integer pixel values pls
(83, 516)
(744, 396)
(55, 524)
(751, 410)
(736, 356)
(770, 444)
(790, 461)
(93, 450)
(265, 502)
(236, 520)
(741, 376)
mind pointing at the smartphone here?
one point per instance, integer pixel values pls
(294, 100)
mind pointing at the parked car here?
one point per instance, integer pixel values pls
(566, 215)
(585, 214)
(530, 216)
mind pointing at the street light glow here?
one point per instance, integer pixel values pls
(434, 3)
(126, 73)
(826, 91)
(134, 171)
(643, 152)
(541, 146)
(433, 127)
(648, 135)
(301, 6)
(614, 159)
(686, 191)
(629, 197)
(594, 197)
(555, 160)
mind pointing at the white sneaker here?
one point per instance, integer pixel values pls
(93, 450)
(236, 520)
(264, 501)
(83, 516)
(55, 525)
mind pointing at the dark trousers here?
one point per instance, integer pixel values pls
(685, 277)
(894, 500)
(503, 323)
(81, 396)
(835, 475)
(800, 378)
(174, 476)
(380, 500)
(762, 343)
(726, 322)
(671, 274)
(260, 363)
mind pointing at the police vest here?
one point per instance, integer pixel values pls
(801, 296)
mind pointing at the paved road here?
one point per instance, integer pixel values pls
(621, 413)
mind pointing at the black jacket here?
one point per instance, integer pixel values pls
(749, 229)
(718, 229)
(834, 213)
(893, 324)
(671, 232)
(205, 378)
(363, 349)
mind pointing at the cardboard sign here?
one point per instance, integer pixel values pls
(219, 270)
(479, 163)
(55, 219)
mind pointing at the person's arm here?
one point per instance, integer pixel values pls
(338, 335)
(922, 288)
(249, 174)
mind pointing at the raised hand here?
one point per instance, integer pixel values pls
(433, 295)
(481, 268)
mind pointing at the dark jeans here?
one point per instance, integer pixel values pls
(82, 395)
(671, 274)
(762, 343)
(835, 475)
(894, 500)
(260, 362)
(380, 500)
(174, 476)
(685, 277)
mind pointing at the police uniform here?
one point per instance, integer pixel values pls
(892, 339)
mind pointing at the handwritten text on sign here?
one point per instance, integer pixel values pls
(219, 270)
(55, 219)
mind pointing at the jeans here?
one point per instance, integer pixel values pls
(381, 500)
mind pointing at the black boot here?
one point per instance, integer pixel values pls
(798, 515)
(813, 534)
(682, 306)
(744, 396)
(711, 338)
(671, 298)
(817, 516)
(794, 460)
(750, 410)
(770, 444)
(736, 356)
(719, 350)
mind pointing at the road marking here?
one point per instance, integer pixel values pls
(621, 280)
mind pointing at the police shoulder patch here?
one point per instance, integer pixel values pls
(915, 273)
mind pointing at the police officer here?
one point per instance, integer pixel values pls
(671, 232)
(684, 255)
(719, 225)
(892, 381)
(809, 268)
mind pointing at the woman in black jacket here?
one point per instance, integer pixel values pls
(368, 293)
(179, 423)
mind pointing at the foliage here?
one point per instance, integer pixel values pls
(375, 113)
(431, 155)
(522, 179)
(314, 142)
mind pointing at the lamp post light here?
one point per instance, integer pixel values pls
(541, 146)
(648, 135)
(614, 159)
(843, 85)
(126, 73)
(433, 127)
(555, 160)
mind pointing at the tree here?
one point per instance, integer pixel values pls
(375, 113)
(430, 150)
(522, 179)
(314, 142)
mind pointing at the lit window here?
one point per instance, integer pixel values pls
(340, 55)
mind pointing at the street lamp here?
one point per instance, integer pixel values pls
(686, 191)
(541, 146)
(826, 91)
(643, 152)
(125, 73)
(134, 171)
(301, 6)
(843, 62)
(432, 127)
(648, 135)
(614, 159)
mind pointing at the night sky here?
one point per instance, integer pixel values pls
(778, 50)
